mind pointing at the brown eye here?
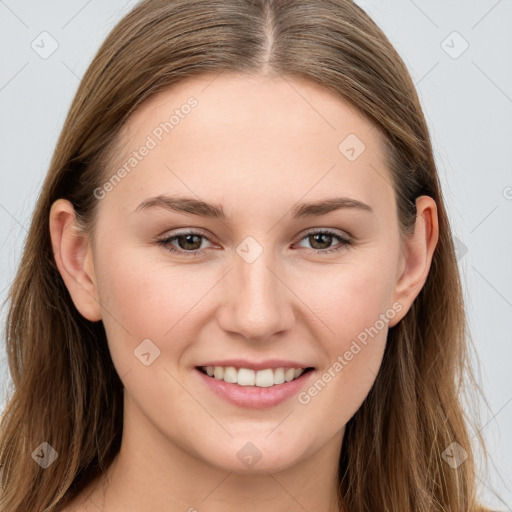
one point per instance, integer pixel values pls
(321, 241)
(189, 242)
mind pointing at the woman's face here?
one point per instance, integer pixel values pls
(261, 286)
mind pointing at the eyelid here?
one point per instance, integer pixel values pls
(198, 231)
(185, 231)
(342, 234)
(346, 240)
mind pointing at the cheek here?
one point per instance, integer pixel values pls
(353, 306)
(144, 299)
(349, 297)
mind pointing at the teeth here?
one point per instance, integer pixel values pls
(248, 377)
(245, 377)
(230, 374)
(278, 375)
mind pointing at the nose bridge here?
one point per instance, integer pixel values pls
(257, 303)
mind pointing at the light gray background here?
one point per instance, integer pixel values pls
(467, 98)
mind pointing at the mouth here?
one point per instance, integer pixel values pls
(265, 378)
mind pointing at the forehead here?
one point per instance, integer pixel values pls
(233, 136)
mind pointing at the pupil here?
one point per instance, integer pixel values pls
(187, 241)
(321, 235)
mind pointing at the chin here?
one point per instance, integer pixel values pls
(251, 455)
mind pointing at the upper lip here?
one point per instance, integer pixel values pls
(257, 365)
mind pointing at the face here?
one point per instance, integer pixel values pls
(259, 280)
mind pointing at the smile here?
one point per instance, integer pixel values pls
(247, 377)
(254, 388)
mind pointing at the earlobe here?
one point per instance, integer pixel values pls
(73, 256)
(418, 253)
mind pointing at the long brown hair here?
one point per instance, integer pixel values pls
(66, 391)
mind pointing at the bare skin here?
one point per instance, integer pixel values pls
(256, 147)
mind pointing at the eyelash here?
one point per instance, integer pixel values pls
(344, 242)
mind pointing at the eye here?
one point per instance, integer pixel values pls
(324, 239)
(189, 243)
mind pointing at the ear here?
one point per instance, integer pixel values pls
(418, 252)
(73, 256)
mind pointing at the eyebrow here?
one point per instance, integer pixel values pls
(201, 208)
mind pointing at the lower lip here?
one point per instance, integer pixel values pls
(255, 397)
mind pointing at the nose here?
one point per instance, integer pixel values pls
(257, 302)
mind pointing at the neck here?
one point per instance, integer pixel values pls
(153, 473)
